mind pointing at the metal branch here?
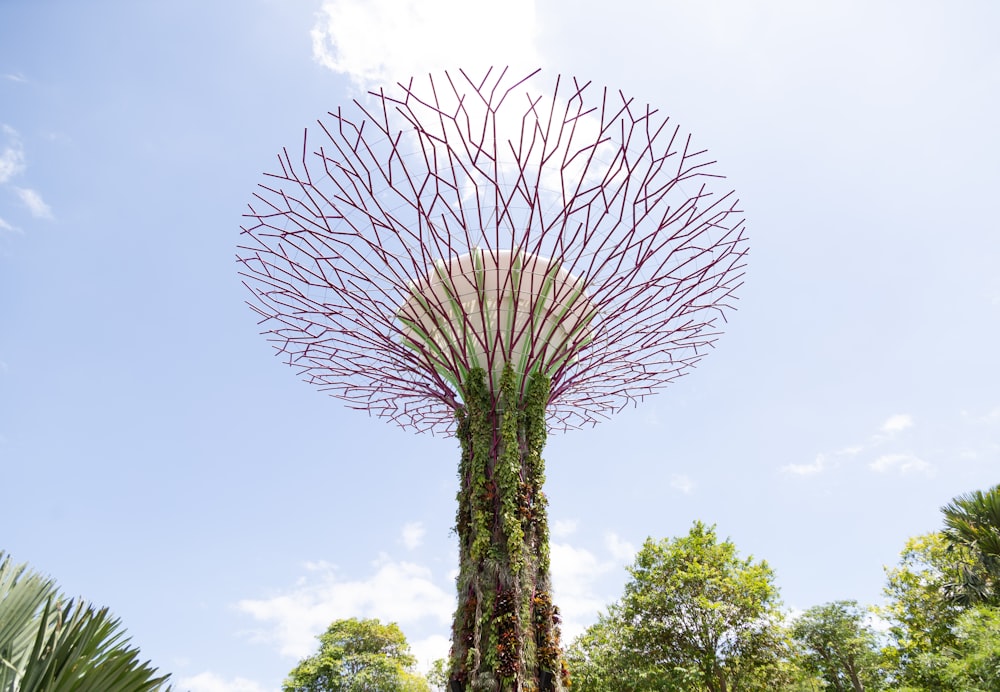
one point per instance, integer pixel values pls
(340, 246)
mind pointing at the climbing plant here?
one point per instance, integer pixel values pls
(506, 631)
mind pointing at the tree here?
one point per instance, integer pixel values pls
(597, 658)
(919, 610)
(437, 676)
(695, 616)
(973, 665)
(358, 656)
(51, 644)
(972, 523)
(835, 644)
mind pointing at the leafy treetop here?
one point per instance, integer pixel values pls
(358, 656)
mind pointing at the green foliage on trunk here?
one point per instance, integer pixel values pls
(505, 633)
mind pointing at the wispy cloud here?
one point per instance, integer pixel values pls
(413, 535)
(683, 483)
(826, 461)
(902, 463)
(897, 423)
(562, 528)
(15, 77)
(12, 155)
(619, 549)
(210, 682)
(385, 41)
(4, 226)
(817, 466)
(13, 164)
(33, 200)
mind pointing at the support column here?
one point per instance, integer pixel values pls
(505, 635)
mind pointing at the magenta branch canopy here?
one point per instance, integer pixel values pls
(461, 221)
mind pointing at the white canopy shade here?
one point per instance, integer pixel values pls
(487, 309)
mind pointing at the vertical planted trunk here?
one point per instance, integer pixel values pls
(505, 635)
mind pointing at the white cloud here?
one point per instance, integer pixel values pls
(12, 156)
(413, 535)
(382, 42)
(619, 549)
(12, 164)
(404, 592)
(818, 466)
(429, 650)
(210, 682)
(682, 483)
(897, 423)
(890, 427)
(385, 41)
(574, 573)
(33, 200)
(904, 463)
(562, 528)
(400, 592)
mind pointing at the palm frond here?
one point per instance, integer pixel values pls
(51, 645)
(972, 523)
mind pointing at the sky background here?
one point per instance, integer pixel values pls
(158, 459)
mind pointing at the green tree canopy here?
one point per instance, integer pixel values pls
(51, 644)
(920, 613)
(945, 587)
(694, 616)
(973, 664)
(598, 658)
(358, 656)
(835, 644)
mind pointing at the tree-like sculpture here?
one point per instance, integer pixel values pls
(493, 259)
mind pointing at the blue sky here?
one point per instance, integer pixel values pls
(158, 459)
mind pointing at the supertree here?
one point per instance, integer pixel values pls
(493, 259)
